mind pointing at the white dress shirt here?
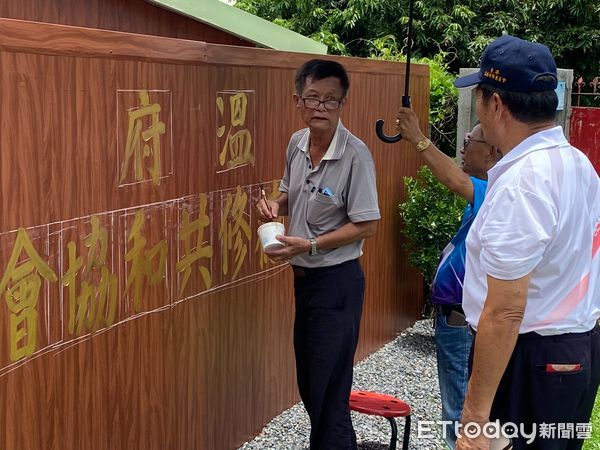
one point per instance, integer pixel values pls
(541, 216)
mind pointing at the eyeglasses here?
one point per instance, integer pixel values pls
(314, 103)
(468, 140)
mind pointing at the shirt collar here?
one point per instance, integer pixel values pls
(336, 146)
(541, 140)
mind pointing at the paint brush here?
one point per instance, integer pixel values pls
(264, 197)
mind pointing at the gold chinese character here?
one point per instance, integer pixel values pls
(234, 231)
(136, 134)
(263, 259)
(199, 250)
(237, 149)
(141, 260)
(21, 285)
(94, 306)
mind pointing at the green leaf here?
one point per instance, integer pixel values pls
(431, 216)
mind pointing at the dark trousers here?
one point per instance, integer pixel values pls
(532, 392)
(328, 310)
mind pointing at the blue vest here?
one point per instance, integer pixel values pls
(448, 282)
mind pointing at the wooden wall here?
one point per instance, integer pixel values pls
(104, 344)
(132, 16)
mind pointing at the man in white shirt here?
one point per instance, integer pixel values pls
(532, 283)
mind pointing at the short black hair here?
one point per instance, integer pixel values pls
(526, 107)
(317, 69)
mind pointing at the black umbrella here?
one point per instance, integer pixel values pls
(405, 97)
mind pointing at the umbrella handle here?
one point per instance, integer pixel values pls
(379, 125)
(405, 98)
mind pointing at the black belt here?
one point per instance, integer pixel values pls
(447, 309)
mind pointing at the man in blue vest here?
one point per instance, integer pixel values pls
(452, 337)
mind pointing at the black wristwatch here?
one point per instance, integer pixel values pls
(313, 246)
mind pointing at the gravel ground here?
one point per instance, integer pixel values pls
(405, 368)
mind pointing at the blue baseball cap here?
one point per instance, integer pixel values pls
(513, 64)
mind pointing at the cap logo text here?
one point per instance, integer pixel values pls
(494, 74)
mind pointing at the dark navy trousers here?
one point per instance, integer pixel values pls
(328, 311)
(550, 385)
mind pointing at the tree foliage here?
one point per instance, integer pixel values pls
(431, 215)
(459, 29)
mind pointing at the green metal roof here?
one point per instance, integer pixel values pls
(242, 24)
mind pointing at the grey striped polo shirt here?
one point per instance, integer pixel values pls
(321, 199)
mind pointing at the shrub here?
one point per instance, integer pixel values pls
(431, 216)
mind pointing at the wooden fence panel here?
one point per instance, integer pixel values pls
(137, 309)
(132, 16)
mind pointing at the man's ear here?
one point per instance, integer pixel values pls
(296, 98)
(499, 105)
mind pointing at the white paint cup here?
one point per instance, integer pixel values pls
(267, 233)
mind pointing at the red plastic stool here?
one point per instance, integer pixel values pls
(382, 405)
